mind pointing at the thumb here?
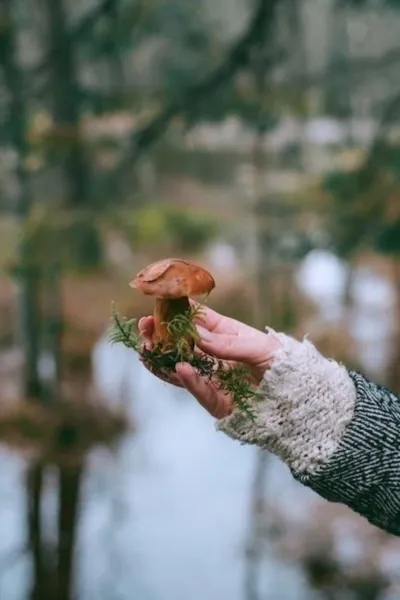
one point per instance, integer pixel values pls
(226, 346)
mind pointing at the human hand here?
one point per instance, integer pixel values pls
(226, 339)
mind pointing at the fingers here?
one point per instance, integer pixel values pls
(240, 348)
(209, 319)
(218, 404)
(146, 329)
(169, 377)
(165, 376)
(146, 326)
(213, 321)
(221, 337)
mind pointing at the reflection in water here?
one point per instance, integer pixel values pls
(187, 489)
(165, 516)
(323, 277)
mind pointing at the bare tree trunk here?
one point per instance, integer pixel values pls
(65, 96)
(28, 285)
(393, 374)
(297, 74)
(257, 533)
(339, 95)
(70, 486)
(76, 182)
(53, 326)
(261, 266)
(85, 248)
(117, 72)
(28, 275)
(348, 296)
(43, 580)
(261, 307)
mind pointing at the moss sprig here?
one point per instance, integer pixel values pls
(232, 379)
(124, 331)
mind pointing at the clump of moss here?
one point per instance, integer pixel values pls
(233, 379)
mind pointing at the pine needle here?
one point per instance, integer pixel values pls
(124, 331)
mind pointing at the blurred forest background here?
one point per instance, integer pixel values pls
(260, 137)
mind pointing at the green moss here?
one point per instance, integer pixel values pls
(231, 379)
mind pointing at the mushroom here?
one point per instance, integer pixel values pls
(172, 281)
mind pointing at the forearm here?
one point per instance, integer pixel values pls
(338, 433)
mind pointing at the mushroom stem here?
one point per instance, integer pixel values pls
(172, 282)
(164, 311)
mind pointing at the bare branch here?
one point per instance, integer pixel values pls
(357, 68)
(79, 31)
(390, 111)
(237, 58)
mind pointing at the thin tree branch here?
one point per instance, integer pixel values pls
(356, 68)
(364, 179)
(390, 111)
(238, 57)
(79, 31)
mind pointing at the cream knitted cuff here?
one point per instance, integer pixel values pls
(307, 402)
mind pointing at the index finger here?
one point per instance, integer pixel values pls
(214, 321)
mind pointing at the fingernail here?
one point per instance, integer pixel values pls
(183, 371)
(178, 375)
(205, 335)
(178, 368)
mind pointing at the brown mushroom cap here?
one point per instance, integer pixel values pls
(173, 278)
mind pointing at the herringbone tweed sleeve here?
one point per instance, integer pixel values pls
(338, 432)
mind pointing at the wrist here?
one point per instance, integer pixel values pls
(306, 404)
(270, 344)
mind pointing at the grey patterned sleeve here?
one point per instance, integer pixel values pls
(338, 432)
(364, 472)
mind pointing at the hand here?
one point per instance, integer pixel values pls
(228, 340)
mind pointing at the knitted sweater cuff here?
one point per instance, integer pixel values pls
(306, 403)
